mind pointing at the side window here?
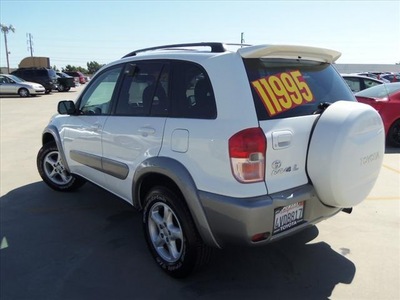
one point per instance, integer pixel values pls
(192, 92)
(354, 84)
(369, 83)
(96, 99)
(144, 90)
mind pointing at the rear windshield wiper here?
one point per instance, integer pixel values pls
(321, 107)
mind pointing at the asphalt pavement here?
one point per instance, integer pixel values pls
(89, 244)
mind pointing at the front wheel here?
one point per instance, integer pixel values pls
(393, 136)
(53, 171)
(23, 92)
(171, 234)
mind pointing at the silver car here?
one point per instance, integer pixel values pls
(13, 85)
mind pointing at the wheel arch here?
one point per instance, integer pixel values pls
(172, 174)
(51, 134)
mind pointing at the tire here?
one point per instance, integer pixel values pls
(47, 91)
(393, 136)
(53, 172)
(67, 89)
(23, 92)
(61, 88)
(171, 234)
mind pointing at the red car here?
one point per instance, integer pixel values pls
(80, 77)
(385, 98)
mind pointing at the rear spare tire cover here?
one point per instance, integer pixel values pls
(345, 153)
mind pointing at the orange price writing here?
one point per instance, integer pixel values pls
(283, 91)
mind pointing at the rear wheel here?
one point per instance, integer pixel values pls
(61, 88)
(53, 171)
(23, 92)
(393, 136)
(171, 234)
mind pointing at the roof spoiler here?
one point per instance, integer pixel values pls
(288, 51)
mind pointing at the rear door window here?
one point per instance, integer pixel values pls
(144, 90)
(192, 92)
(285, 88)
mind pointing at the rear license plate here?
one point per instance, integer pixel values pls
(288, 216)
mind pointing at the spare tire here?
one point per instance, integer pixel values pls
(345, 153)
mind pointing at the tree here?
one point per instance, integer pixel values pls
(93, 67)
(69, 68)
(6, 29)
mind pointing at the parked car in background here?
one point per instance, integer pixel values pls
(375, 75)
(65, 82)
(385, 99)
(80, 78)
(13, 85)
(393, 77)
(358, 83)
(44, 76)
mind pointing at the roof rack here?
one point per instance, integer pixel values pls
(215, 47)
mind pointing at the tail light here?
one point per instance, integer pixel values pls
(247, 150)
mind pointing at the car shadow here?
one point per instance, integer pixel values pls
(90, 245)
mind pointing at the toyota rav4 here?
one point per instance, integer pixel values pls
(218, 144)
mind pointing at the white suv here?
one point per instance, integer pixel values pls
(218, 146)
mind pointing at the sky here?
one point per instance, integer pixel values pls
(75, 32)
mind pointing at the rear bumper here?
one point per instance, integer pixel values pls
(237, 220)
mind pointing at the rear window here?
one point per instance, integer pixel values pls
(52, 73)
(288, 88)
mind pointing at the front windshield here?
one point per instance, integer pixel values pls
(15, 78)
(379, 91)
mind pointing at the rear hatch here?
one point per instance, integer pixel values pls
(291, 86)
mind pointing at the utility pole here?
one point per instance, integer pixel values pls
(6, 29)
(29, 42)
(242, 38)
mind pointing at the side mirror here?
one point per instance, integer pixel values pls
(66, 107)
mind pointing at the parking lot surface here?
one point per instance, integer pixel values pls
(89, 244)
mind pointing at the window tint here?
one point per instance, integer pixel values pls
(144, 90)
(192, 92)
(288, 88)
(354, 83)
(97, 97)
